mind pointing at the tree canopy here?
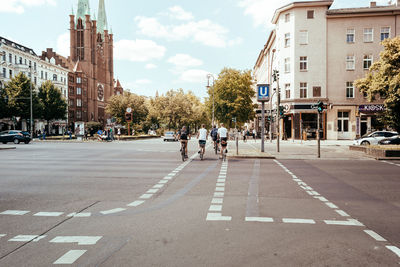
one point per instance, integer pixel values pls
(118, 104)
(383, 79)
(53, 105)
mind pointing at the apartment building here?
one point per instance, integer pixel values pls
(319, 53)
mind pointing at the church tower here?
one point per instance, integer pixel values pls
(92, 49)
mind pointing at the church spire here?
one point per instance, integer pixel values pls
(102, 18)
(83, 9)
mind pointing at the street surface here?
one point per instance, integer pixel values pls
(137, 204)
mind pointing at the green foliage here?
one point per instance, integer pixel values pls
(17, 99)
(233, 97)
(118, 104)
(383, 79)
(54, 107)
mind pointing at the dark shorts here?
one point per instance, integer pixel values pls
(224, 141)
(202, 142)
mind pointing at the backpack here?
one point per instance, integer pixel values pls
(214, 133)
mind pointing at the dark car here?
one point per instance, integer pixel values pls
(395, 140)
(15, 136)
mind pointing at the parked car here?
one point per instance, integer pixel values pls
(395, 140)
(15, 136)
(170, 136)
(373, 138)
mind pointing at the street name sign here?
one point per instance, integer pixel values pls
(263, 92)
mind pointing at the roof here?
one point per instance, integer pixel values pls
(299, 4)
(77, 67)
(17, 46)
(362, 10)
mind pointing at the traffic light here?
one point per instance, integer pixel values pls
(128, 117)
(281, 111)
(320, 106)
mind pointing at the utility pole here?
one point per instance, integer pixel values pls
(318, 135)
(31, 104)
(263, 96)
(213, 95)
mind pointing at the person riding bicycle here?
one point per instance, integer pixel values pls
(223, 137)
(184, 136)
(214, 136)
(202, 136)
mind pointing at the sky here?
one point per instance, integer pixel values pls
(158, 44)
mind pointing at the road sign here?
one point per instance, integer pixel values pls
(263, 92)
(129, 110)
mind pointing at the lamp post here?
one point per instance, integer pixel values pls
(30, 84)
(208, 87)
(278, 103)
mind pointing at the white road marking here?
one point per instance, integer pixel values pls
(80, 215)
(81, 240)
(70, 257)
(322, 199)
(331, 205)
(349, 222)
(146, 196)
(217, 201)
(375, 236)
(136, 203)
(23, 238)
(14, 212)
(152, 191)
(163, 181)
(342, 213)
(105, 212)
(221, 180)
(259, 219)
(48, 214)
(220, 184)
(215, 208)
(168, 178)
(217, 217)
(219, 194)
(38, 238)
(315, 193)
(2, 235)
(394, 249)
(220, 189)
(158, 186)
(305, 221)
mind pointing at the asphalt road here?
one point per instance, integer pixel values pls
(137, 204)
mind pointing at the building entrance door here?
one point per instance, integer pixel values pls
(343, 125)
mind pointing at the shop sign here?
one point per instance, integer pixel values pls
(371, 108)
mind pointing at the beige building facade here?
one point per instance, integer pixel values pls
(319, 53)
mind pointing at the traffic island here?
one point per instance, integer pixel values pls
(249, 154)
(379, 152)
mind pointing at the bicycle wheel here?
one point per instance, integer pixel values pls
(183, 153)
(216, 148)
(224, 155)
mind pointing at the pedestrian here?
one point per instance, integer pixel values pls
(255, 135)
(44, 134)
(119, 133)
(86, 135)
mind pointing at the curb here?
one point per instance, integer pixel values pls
(8, 148)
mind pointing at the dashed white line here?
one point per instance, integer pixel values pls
(106, 212)
(217, 217)
(375, 236)
(152, 191)
(25, 238)
(81, 240)
(158, 186)
(394, 249)
(217, 201)
(259, 219)
(14, 212)
(215, 208)
(146, 196)
(342, 213)
(219, 194)
(48, 214)
(2, 235)
(136, 203)
(331, 205)
(321, 198)
(349, 222)
(305, 221)
(70, 257)
(220, 189)
(163, 181)
(80, 215)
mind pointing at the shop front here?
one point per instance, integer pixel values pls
(367, 119)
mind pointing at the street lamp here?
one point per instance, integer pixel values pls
(278, 103)
(213, 92)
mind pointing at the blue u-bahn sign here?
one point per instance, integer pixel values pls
(263, 92)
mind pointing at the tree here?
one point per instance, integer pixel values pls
(233, 96)
(54, 107)
(17, 98)
(383, 79)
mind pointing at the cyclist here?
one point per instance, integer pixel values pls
(223, 137)
(184, 136)
(202, 136)
(214, 136)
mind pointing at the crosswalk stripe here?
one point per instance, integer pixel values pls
(81, 240)
(48, 214)
(70, 257)
(14, 212)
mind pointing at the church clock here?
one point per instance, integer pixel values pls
(100, 92)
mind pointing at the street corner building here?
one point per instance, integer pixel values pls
(319, 52)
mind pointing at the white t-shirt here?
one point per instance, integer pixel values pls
(223, 132)
(203, 134)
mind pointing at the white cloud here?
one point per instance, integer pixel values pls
(138, 50)
(184, 60)
(18, 6)
(261, 11)
(177, 12)
(63, 44)
(150, 66)
(194, 76)
(204, 31)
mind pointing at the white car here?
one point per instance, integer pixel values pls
(170, 136)
(373, 138)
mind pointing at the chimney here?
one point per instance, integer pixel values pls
(373, 4)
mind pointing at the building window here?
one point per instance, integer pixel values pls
(11, 74)
(71, 114)
(310, 14)
(20, 60)
(84, 92)
(350, 62)
(350, 36)
(78, 114)
(79, 102)
(10, 58)
(45, 75)
(34, 66)
(287, 17)
(35, 80)
(287, 40)
(4, 73)
(349, 90)
(71, 90)
(25, 61)
(343, 121)
(78, 80)
(303, 64)
(4, 56)
(71, 102)
(41, 74)
(385, 33)
(367, 62)
(303, 37)
(317, 91)
(287, 90)
(78, 91)
(303, 90)
(368, 35)
(287, 65)
(55, 77)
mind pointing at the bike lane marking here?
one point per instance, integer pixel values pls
(70, 257)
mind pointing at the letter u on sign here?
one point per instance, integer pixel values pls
(263, 92)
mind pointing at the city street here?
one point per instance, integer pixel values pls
(137, 204)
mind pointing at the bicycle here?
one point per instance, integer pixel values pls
(224, 150)
(183, 151)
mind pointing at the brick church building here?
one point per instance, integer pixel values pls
(91, 79)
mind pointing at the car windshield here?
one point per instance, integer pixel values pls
(170, 133)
